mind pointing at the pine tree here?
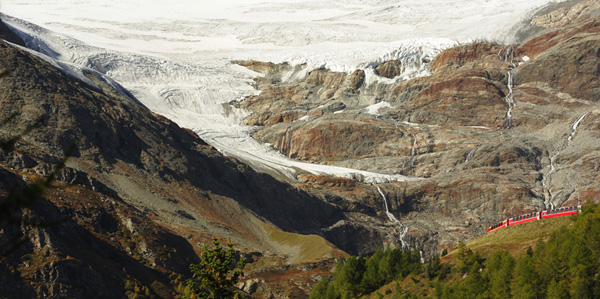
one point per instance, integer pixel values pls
(372, 279)
(216, 275)
(527, 281)
(348, 280)
(320, 289)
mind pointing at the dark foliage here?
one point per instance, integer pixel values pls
(217, 273)
(363, 275)
(566, 266)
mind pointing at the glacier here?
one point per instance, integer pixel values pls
(176, 57)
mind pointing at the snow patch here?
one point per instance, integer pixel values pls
(304, 118)
(175, 57)
(374, 109)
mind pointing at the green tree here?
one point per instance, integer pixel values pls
(323, 289)
(499, 272)
(372, 278)
(557, 290)
(217, 274)
(348, 280)
(444, 252)
(527, 280)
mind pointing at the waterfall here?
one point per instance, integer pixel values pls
(574, 128)
(471, 153)
(413, 149)
(546, 178)
(509, 54)
(509, 100)
(391, 217)
(508, 57)
(546, 184)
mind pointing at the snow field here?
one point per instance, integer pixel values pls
(175, 57)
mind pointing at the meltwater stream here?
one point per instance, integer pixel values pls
(403, 228)
(507, 55)
(553, 156)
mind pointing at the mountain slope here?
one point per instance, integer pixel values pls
(136, 184)
(494, 129)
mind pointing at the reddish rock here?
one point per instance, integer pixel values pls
(389, 69)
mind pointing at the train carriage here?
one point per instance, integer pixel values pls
(561, 212)
(565, 211)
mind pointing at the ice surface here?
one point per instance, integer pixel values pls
(374, 109)
(175, 56)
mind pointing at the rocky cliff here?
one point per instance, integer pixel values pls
(137, 198)
(494, 129)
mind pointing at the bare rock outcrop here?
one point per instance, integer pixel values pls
(494, 129)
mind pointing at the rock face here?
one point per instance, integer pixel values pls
(136, 199)
(495, 128)
(8, 35)
(389, 69)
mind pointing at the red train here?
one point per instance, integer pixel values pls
(536, 216)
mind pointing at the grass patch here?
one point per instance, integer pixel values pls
(516, 239)
(302, 248)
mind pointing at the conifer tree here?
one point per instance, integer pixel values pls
(216, 275)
